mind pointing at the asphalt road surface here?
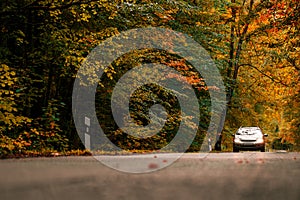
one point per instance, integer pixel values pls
(246, 175)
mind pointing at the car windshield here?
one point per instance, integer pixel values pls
(248, 131)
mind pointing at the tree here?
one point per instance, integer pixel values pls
(46, 42)
(266, 67)
(253, 42)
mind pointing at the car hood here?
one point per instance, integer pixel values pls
(248, 137)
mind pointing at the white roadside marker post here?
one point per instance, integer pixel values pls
(87, 137)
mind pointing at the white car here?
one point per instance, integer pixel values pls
(249, 138)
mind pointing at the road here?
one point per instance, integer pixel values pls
(246, 175)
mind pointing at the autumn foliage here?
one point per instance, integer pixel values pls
(254, 43)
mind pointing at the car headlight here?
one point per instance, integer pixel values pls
(260, 140)
(237, 140)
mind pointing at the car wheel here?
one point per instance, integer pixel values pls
(235, 149)
(262, 149)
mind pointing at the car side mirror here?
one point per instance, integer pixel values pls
(265, 135)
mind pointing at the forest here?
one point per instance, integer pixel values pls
(254, 44)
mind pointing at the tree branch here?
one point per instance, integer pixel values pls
(266, 75)
(33, 6)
